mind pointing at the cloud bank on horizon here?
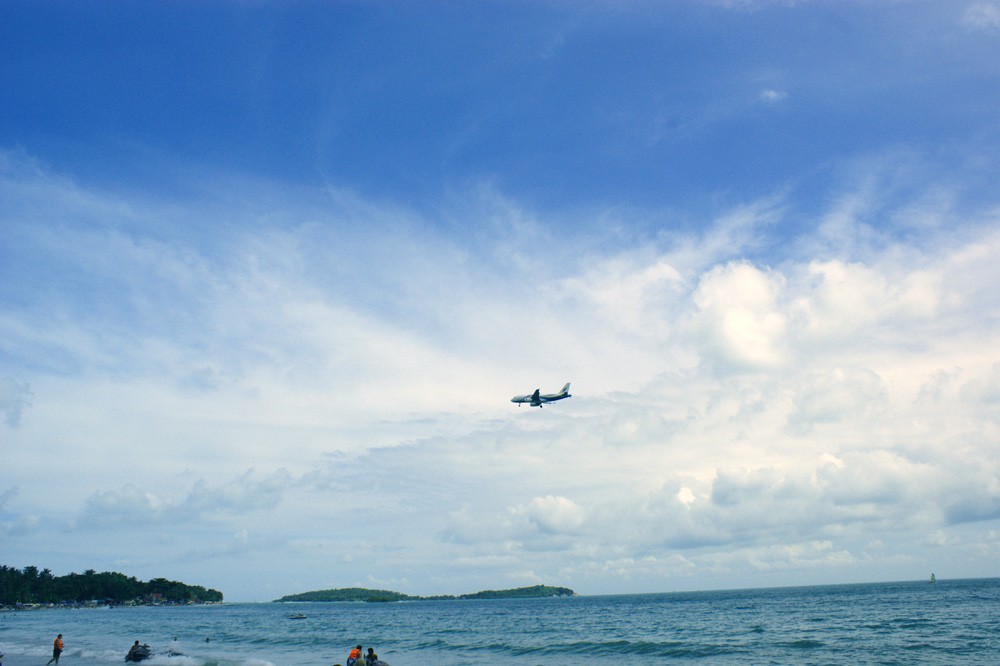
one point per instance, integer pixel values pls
(270, 274)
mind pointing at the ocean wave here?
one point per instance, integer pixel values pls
(98, 655)
(26, 650)
(612, 648)
(436, 644)
(168, 659)
(256, 662)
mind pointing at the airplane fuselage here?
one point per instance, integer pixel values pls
(536, 399)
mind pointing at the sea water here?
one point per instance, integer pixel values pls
(946, 623)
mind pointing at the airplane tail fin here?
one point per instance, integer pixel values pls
(565, 389)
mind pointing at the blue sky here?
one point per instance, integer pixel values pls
(271, 272)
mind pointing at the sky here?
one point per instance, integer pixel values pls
(270, 273)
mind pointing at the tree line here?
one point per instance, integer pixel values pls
(522, 593)
(364, 594)
(31, 586)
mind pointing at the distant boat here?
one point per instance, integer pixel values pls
(933, 579)
(297, 616)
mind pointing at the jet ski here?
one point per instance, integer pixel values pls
(138, 653)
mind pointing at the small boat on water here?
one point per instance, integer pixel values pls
(933, 579)
(297, 616)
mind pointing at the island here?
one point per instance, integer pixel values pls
(31, 587)
(364, 594)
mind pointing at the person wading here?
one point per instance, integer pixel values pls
(57, 648)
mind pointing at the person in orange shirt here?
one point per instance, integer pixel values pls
(57, 648)
(353, 657)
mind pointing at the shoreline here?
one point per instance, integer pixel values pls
(100, 605)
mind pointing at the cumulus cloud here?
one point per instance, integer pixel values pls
(812, 554)
(983, 393)
(542, 523)
(14, 524)
(736, 318)
(750, 514)
(731, 412)
(551, 514)
(630, 294)
(134, 506)
(843, 298)
(854, 394)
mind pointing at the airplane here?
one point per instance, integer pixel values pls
(537, 400)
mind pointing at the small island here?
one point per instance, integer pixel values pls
(364, 594)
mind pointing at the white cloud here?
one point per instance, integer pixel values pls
(737, 319)
(846, 298)
(843, 394)
(733, 413)
(812, 554)
(984, 393)
(135, 506)
(631, 293)
(982, 16)
(552, 514)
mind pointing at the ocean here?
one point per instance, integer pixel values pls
(949, 623)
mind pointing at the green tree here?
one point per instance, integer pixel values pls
(31, 586)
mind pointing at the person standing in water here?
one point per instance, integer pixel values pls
(57, 648)
(353, 657)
